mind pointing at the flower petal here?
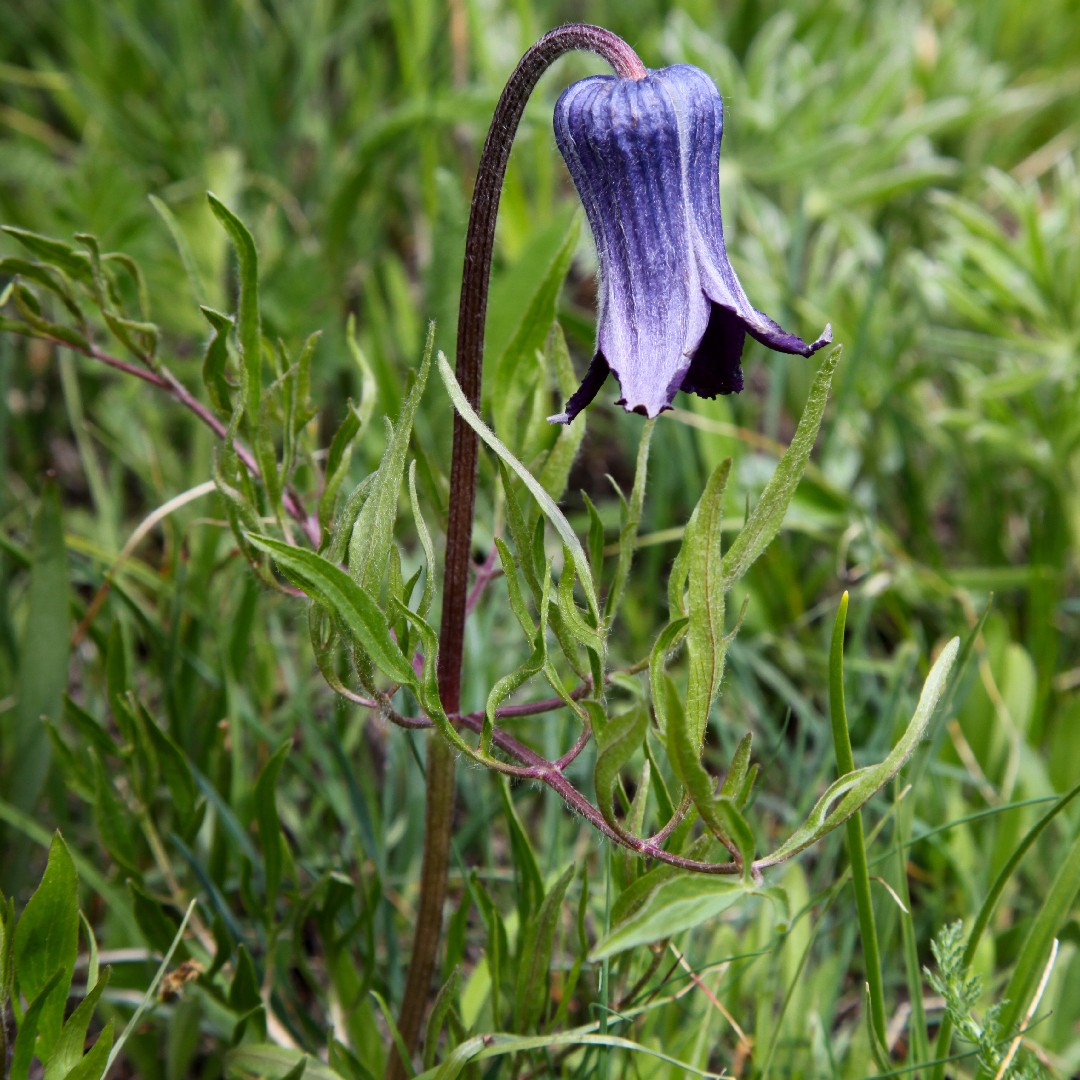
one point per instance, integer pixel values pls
(621, 142)
(697, 102)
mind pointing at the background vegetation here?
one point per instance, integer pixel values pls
(907, 171)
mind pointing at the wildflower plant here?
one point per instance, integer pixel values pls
(387, 621)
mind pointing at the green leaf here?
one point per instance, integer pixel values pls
(244, 993)
(530, 888)
(372, 535)
(267, 1061)
(249, 332)
(534, 955)
(553, 514)
(496, 949)
(431, 567)
(705, 633)
(151, 991)
(74, 263)
(183, 249)
(7, 948)
(510, 682)
(174, 767)
(42, 667)
(216, 358)
(768, 515)
(154, 917)
(523, 307)
(555, 472)
(47, 942)
(735, 781)
(48, 277)
(852, 790)
(337, 463)
(332, 587)
(1055, 911)
(617, 741)
(96, 1060)
(444, 1006)
(675, 904)
(270, 835)
(26, 1038)
(631, 519)
(68, 1051)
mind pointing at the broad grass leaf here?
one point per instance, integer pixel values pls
(270, 1062)
(47, 941)
(68, 1051)
(26, 1038)
(677, 903)
(42, 668)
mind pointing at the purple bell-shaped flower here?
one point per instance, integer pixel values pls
(644, 155)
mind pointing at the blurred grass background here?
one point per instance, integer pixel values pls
(907, 171)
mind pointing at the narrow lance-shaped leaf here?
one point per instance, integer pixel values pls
(248, 325)
(676, 903)
(68, 1050)
(850, 792)
(555, 472)
(617, 741)
(705, 633)
(337, 463)
(358, 612)
(510, 682)
(768, 515)
(74, 263)
(373, 532)
(534, 955)
(271, 838)
(631, 521)
(550, 510)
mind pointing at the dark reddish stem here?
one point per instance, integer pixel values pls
(472, 314)
(165, 380)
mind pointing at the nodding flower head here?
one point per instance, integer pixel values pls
(644, 155)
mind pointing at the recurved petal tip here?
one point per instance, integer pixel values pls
(825, 339)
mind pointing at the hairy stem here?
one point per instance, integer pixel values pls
(165, 380)
(472, 314)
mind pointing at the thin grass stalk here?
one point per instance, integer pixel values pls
(856, 843)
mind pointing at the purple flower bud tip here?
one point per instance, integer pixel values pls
(644, 155)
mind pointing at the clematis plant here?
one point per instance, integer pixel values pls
(642, 149)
